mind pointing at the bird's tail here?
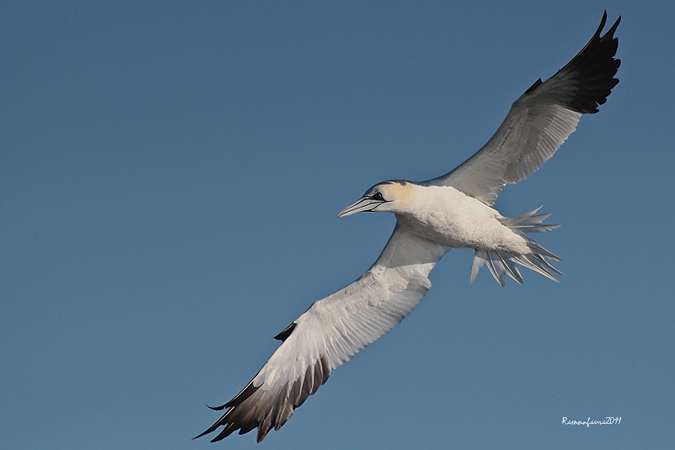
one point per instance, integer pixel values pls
(502, 264)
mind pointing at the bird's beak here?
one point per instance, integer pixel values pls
(361, 205)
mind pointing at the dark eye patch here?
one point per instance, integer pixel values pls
(378, 197)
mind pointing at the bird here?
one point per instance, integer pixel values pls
(452, 210)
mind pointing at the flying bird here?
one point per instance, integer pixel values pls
(453, 210)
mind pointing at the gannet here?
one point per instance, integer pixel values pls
(453, 210)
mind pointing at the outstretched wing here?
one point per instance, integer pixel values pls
(330, 332)
(540, 121)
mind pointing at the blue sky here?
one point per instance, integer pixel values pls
(171, 176)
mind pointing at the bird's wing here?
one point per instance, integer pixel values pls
(540, 121)
(330, 332)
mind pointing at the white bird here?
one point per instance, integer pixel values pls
(454, 210)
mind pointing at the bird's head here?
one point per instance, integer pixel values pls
(393, 196)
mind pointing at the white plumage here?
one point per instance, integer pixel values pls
(453, 210)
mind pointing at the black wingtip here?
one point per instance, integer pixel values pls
(534, 86)
(216, 408)
(595, 66)
(200, 435)
(209, 430)
(603, 21)
(286, 332)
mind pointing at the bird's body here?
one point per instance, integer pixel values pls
(453, 210)
(449, 217)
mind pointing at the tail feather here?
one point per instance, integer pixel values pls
(511, 269)
(496, 267)
(530, 222)
(501, 264)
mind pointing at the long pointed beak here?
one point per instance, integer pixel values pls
(361, 205)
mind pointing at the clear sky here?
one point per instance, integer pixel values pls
(170, 178)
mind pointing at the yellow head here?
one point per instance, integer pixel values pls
(394, 196)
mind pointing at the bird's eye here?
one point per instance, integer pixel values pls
(378, 197)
